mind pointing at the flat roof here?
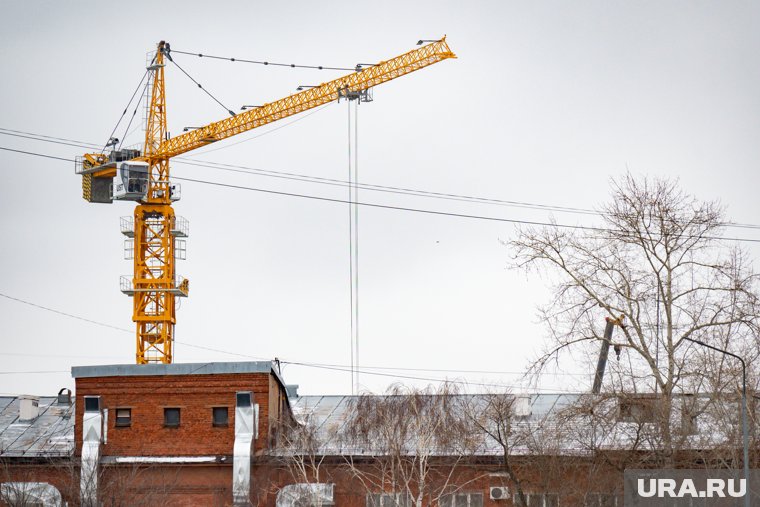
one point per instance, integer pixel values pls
(141, 370)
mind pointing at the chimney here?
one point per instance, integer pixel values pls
(29, 407)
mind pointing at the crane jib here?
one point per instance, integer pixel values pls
(307, 99)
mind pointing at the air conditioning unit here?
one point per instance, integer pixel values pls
(499, 493)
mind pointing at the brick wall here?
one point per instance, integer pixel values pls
(194, 395)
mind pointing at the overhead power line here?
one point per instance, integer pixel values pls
(336, 182)
(65, 314)
(425, 379)
(78, 143)
(399, 208)
(438, 213)
(332, 181)
(335, 367)
(37, 154)
(380, 188)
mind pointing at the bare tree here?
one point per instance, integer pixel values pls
(533, 450)
(658, 261)
(302, 449)
(412, 444)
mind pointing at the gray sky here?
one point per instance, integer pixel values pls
(546, 102)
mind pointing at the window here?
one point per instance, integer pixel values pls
(220, 416)
(637, 410)
(689, 412)
(462, 500)
(305, 495)
(389, 500)
(243, 399)
(603, 500)
(171, 417)
(542, 500)
(123, 417)
(92, 403)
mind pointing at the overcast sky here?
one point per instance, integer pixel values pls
(546, 102)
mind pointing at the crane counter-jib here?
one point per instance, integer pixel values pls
(307, 99)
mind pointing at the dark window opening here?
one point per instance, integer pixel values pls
(243, 399)
(123, 417)
(220, 416)
(91, 403)
(171, 417)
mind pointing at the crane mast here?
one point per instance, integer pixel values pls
(155, 283)
(155, 232)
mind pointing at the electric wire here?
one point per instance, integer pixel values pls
(334, 367)
(382, 188)
(202, 88)
(77, 317)
(447, 370)
(365, 186)
(77, 145)
(535, 223)
(64, 313)
(262, 62)
(425, 379)
(37, 154)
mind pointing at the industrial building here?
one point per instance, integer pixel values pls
(215, 434)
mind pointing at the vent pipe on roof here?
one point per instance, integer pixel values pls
(292, 390)
(246, 431)
(64, 396)
(92, 437)
(29, 407)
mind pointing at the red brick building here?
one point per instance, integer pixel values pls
(215, 434)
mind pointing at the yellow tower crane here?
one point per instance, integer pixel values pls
(144, 178)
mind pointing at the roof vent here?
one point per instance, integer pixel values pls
(521, 406)
(64, 396)
(29, 407)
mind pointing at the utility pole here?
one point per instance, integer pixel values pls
(745, 426)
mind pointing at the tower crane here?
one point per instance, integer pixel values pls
(156, 234)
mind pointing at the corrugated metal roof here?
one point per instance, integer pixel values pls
(50, 434)
(329, 414)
